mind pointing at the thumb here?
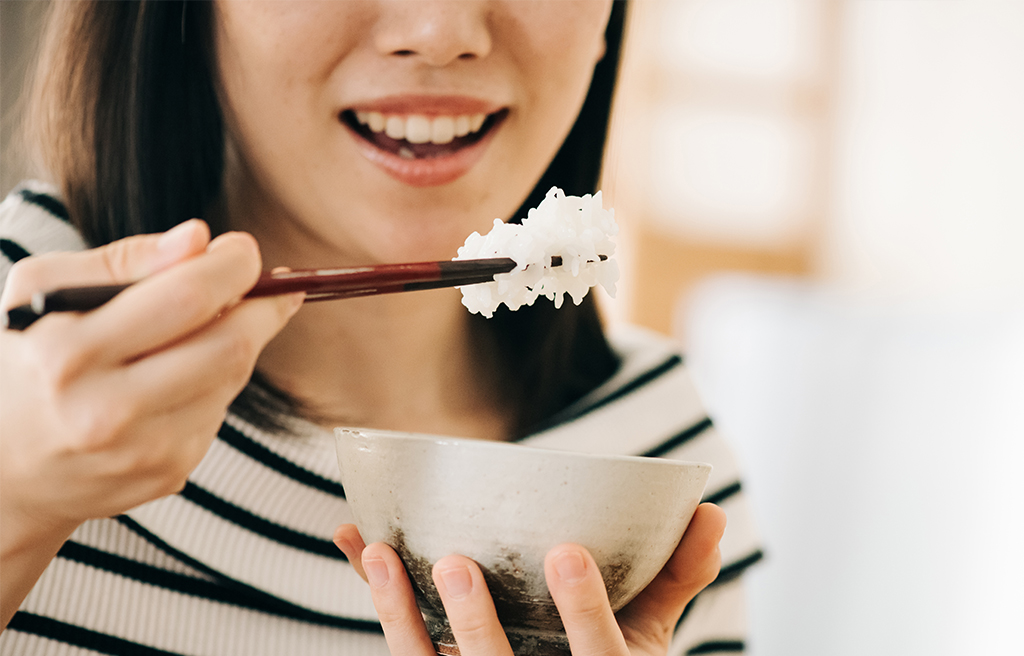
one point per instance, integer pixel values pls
(125, 260)
(694, 564)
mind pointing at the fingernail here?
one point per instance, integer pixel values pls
(376, 572)
(570, 567)
(458, 582)
(177, 238)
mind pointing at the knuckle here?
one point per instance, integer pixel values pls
(172, 481)
(238, 356)
(30, 275)
(698, 575)
(178, 486)
(22, 281)
(120, 259)
(712, 568)
(284, 309)
(471, 627)
(192, 303)
(98, 427)
(115, 259)
(392, 617)
(188, 454)
(161, 463)
(57, 360)
(194, 449)
(586, 611)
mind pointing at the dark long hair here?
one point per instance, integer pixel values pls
(125, 116)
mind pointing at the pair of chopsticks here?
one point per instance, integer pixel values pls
(319, 285)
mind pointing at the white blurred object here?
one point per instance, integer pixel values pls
(764, 39)
(883, 440)
(883, 448)
(929, 150)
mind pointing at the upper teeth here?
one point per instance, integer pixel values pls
(416, 128)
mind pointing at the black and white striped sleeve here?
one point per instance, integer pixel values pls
(33, 221)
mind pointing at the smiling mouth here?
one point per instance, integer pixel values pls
(415, 136)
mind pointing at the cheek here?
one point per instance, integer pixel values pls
(274, 61)
(557, 43)
(286, 30)
(266, 50)
(561, 30)
(256, 61)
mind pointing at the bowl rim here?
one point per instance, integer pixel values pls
(343, 432)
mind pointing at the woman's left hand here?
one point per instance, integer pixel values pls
(642, 627)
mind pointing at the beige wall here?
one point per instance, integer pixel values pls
(872, 146)
(720, 155)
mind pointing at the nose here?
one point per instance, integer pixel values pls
(437, 32)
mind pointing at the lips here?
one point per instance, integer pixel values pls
(422, 149)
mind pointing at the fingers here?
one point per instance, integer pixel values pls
(469, 607)
(648, 621)
(582, 601)
(142, 256)
(692, 567)
(348, 539)
(154, 313)
(126, 260)
(396, 606)
(165, 307)
(214, 364)
(459, 582)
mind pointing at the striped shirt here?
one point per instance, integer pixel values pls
(241, 561)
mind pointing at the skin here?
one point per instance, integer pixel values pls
(643, 627)
(110, 409)
(107, 410)
(312, 197)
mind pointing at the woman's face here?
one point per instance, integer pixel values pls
(388, 130)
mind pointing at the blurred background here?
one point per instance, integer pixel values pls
(824, 200)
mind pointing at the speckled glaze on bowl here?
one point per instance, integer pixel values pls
(505, 506)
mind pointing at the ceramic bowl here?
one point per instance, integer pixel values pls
(505, 506)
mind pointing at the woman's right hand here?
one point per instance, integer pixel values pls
(105, 410)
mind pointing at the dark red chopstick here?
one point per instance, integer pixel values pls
(367, 279)
(319, 284)
(393, 289)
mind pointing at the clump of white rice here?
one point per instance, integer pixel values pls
(576, 228)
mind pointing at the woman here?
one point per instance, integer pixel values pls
(136, 517)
